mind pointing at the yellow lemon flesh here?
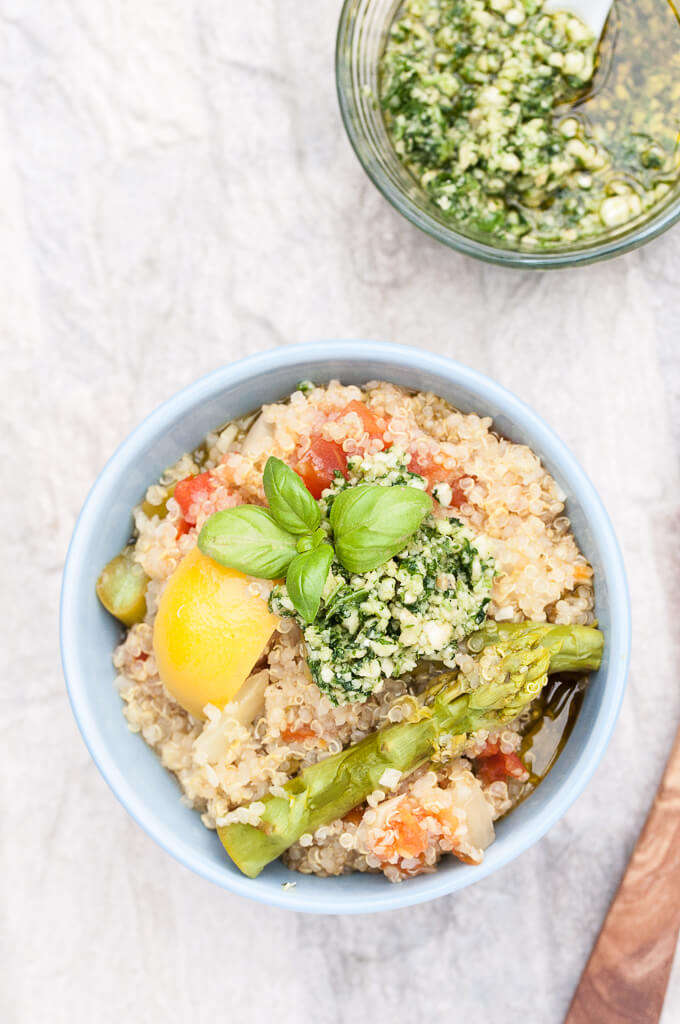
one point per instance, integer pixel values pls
(209, 632)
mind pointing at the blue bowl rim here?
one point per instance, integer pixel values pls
(548, 443)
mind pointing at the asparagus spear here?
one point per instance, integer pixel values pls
(572, 648)
(450, 709)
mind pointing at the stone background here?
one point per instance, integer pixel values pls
(177, 191)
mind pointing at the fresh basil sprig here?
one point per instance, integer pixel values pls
(248, 538)
(290, 502)
(370, 524)
(306, 578)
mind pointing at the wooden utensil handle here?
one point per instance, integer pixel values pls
(626, 977)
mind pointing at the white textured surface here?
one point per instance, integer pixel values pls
(177, 191)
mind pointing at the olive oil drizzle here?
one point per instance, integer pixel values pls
(633, 105)
(548, 726)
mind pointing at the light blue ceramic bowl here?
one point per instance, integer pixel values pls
(88, 633)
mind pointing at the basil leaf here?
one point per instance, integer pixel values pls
(342, 601)
(372, 523)
(247, 538)
(307, 575)
(290, 502)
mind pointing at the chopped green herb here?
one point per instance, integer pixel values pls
(418, 604)
(477, 98)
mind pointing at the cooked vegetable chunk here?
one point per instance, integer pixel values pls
(160, 506)
(121, 588)
(209, 632)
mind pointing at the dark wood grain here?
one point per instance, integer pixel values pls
(626, 977)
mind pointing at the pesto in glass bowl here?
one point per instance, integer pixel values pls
(511, 134)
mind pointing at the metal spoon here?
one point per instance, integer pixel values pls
(592, 13)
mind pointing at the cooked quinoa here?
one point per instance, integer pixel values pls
(493, 495)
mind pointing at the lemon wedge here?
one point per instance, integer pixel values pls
(209, 632)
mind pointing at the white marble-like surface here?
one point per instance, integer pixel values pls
(177, 191)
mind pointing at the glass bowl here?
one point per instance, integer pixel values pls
(362, 33)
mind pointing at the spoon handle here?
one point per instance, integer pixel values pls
(626, 977)
(592, 13)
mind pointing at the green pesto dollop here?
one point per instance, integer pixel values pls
(487, 104)
(418, 605)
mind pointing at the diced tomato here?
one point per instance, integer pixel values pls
(183, 527)
(193, 491)
(495, 766)
(425, 467)
(400, 832)
(319, 464)
(324, 459)
(298, 735)
(368, 418)
(437, 474)
(410, 838)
